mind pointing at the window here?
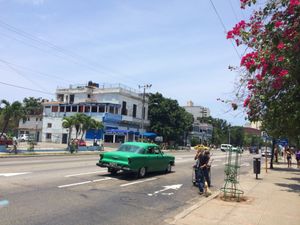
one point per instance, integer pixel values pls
(74, 108)
(62, 109)
(124, 110)
(36, 119)
(101, 108)
(89, 95)
(47, 107)
(54, 108)
(111, 109)
(48, 135)
(49, 125)
(81, 108)
(94, 108)
(71, 99)
(134, 110)
(68, 108)
(87, 109)
(28, 119)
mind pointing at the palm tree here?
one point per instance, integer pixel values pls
(68, 122)
(89, 123)
(10, 112)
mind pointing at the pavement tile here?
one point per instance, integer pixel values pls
(273, 199)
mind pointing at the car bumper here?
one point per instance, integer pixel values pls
(113, 166)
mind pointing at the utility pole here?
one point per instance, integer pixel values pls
(143, 106)
(228, 134)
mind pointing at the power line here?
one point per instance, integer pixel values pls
(19, 73)
(224, 27)
(34, 71)
(25, 88)
(75, 58)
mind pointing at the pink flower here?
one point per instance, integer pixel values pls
(280, 59)
(246, 102)
(280, 46)
(283, 73)
(259, 77)
(294, 2)
(278, 23)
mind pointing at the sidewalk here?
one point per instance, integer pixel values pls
(273, 199)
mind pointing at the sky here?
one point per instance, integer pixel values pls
(178, 46)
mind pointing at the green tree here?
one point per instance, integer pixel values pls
(167, 118)
(10, 113)
(270, 81)
(33, 106)
(68, 123)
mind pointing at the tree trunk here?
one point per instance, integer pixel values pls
(272, 153)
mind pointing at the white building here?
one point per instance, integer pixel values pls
(197, 111)
(31, 125)
(200, 131)
(118, 107)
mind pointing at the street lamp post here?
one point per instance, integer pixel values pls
(143, 106)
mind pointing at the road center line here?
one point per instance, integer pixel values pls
(74, 184)
(79, 174)
(137, 182)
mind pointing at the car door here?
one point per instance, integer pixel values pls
(151, 159)
(161, 162)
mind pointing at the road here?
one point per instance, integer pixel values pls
(63, 190)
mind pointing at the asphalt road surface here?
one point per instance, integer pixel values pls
(72, 190)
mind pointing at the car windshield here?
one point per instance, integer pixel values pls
(131, 148)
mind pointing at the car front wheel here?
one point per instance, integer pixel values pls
(142, 172)
(169, 168)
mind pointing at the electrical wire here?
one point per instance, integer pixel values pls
(224, 27)
(80, 60)
(25, 88)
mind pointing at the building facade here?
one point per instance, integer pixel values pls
(197, 111)
(202, 132)
(118, 107)
(31, 125)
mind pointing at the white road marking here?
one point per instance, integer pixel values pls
(168, 187)
(103, 179)
(79, 174)
(137, 182)
(74, 184)
(13, 174)
(86, 182)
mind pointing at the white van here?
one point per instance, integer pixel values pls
(225, 147)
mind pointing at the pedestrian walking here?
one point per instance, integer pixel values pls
(289, 157)
(202, 171)
(298, 158)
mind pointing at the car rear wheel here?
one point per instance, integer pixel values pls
(169, 168)
(142, 172)
(112, 171)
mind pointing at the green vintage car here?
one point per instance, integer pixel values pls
(137, 157)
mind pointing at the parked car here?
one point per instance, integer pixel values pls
(23, 137)
(137, 157)
(81, 143)
(225, 147)
(265, 152)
